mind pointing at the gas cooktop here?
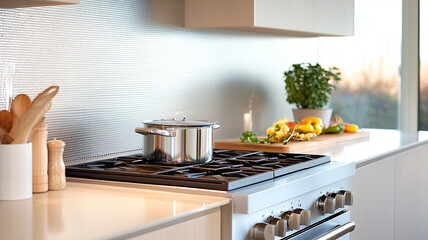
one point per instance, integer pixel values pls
(229, 169)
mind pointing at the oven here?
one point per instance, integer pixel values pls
(275, 195)
(302, 205)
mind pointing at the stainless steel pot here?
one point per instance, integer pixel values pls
(178, 141)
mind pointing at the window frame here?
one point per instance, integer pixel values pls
(408, 107)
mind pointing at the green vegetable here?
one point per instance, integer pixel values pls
(334, 129)
(266, 140)
(249, 136)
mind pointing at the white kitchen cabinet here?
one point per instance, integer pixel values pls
(411, 213)
(374, 200)
(390, 197)
(203, 227)
(34, 3)
(286, 17)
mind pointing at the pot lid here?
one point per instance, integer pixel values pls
(179, 123)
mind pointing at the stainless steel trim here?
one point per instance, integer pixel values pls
(155, 131)
(164, 123)
(338, 231)
(320, 228)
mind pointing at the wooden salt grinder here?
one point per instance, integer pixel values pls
(56, 169)
(40, 159)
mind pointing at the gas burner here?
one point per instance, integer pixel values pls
(229, 169)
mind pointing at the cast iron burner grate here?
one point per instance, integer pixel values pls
(229, 169)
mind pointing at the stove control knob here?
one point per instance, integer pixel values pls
(293, 220)
(305, 216)
(262, 231)
(280, 225)
(349, 197)
(339, 198)
(325, 204)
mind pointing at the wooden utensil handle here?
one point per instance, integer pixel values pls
(40, 105)
(6, 139)
(40, 159)
(28, 122)
(2, 132)
(45, 96)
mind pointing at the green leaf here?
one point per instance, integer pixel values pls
(249, 136)
(310, 86)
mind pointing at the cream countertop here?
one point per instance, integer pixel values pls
(381, 144)
(102, 210)
(88, 211)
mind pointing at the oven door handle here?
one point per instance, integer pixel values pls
(338, 231)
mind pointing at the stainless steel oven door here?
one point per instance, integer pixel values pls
(336, 226)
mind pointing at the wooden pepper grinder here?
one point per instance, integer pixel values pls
(40, 159)
(56, 168)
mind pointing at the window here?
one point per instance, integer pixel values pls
(423, 72)
(370, 64)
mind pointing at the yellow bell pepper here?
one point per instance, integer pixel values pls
(314, 122)
(270, 131)
(280, 122)
(311, 120)
(278, 126)
(279, 135)
(284, 128)
(318, 129)
(350, 128)
(306, 128)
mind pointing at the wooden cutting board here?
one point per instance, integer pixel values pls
(322, 141)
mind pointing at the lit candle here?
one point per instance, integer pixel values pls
(248, 121)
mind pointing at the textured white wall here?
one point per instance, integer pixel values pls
(121, 62)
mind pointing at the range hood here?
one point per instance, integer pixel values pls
(310, 18)
(34, 3)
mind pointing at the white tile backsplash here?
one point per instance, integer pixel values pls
(121, 62)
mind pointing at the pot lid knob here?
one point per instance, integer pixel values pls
(180, 116)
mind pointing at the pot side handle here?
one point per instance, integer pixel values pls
(216, 125)
(155, 131)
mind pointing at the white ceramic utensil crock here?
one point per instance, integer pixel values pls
(16, 171)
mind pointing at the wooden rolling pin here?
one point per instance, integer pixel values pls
(40, 159)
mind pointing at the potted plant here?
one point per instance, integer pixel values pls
(309, 87)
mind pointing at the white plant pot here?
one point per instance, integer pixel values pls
(324, 114)
(16, 172)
